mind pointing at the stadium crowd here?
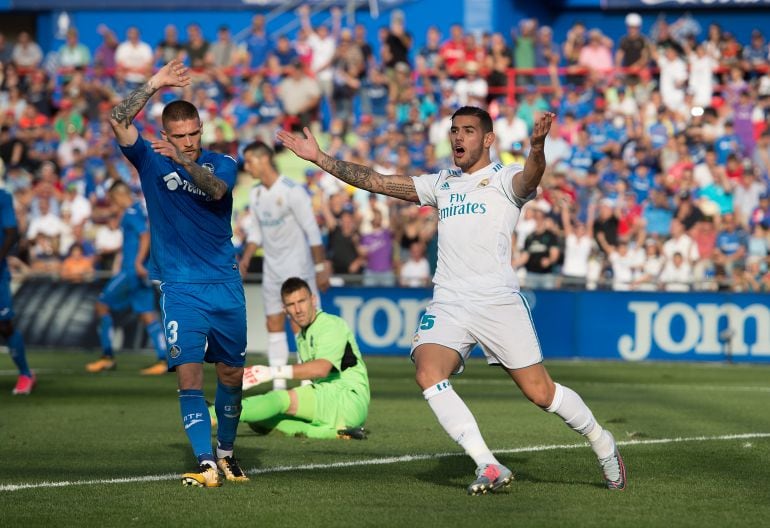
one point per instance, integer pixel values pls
(658, 166)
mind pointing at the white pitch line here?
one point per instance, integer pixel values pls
(378, 461)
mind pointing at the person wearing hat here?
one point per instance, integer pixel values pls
(633, 50)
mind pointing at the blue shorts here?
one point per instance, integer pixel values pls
(204, 322)
(6, 300)
(126, 290)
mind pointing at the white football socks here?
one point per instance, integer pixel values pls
(569, 406)
(457, 420)
(277, 355)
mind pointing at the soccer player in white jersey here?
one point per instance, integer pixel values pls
(476, 296)
(284, 225)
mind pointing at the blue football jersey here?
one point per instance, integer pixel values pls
(7, 220)
(190, 233)
(133, 225)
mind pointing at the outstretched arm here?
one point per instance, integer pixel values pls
(526, 181)
(356, 175)
(122, 116)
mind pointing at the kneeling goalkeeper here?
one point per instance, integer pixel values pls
(336, 403)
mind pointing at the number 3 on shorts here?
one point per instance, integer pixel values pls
(427, 321)
(172, 335)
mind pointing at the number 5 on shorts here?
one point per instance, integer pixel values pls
(427, 321)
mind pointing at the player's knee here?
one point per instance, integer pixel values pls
(425, 376)
(540, 395)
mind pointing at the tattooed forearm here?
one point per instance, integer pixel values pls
(125, 111)
(368, 179)
(203, 179)
(533, 171)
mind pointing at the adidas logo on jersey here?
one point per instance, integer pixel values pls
(444, 186)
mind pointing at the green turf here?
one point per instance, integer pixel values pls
(79, 427)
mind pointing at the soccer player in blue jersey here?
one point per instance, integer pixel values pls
(9, 234)
(131, 285)
(189, 204)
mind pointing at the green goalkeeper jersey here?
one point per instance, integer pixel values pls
(329, 337)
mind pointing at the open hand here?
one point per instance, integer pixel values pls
(256, 375)
(540, 130)
(305, 147)
(174, 73)
(166, 148)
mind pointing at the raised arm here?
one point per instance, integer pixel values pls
(122, 116)
(356, 175)
(526, 181)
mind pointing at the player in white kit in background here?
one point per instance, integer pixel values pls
(283, 224)
(476, 295)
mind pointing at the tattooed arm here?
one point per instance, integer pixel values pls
(203, 178)
(357, 175)
(526, 181)
(122, 116)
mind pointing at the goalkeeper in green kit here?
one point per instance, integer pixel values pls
(336, 403)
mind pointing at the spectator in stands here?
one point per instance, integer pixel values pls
(761, 214)
(73, 54)
(46, 229)
(471, 89)
(104, 55)
(577, 38)
(597, 54)
(323, 43)
(546, 56)
(196, 48)
(731, 244)
(625, 262)
(77, 267)
(524, 48)
(170, 47)
(26, 54)
(676, 275)
(108, 243)
(578, 243)
(415, 271)
(430, 53)
(6, 50)
(134, 58)
(633, 49)
(377, 245)
(509, 127)
(398, 41)
(224, 52)
(540, 254)
(452, 52)
(606, 223)
(343, 247)
(658, 213)
(746, 193)
(300, 96)
(256, 43)
(649, 271)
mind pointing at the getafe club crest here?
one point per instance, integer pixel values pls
(208, 166)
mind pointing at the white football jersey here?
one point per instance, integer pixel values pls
(284, 225)
(477, 214)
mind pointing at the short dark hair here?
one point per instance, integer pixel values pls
(179, 110)
(260, 148)
(293, 284)
(119, 185)
(475, 111)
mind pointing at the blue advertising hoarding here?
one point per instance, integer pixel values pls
(683, 4)
(629, 326)
(176, 4)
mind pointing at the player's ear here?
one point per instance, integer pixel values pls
(489, 139)
(163, 135)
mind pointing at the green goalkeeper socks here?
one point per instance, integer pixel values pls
(264, 406)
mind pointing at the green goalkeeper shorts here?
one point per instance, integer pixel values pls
(336, 406)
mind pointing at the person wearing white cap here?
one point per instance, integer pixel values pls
(633, 49)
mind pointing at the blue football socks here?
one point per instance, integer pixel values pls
(197, 423)
(155, 333)
(18, 354)
(105, 334)
(228, 408)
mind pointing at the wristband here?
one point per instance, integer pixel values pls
(320, 267)
(282, 372)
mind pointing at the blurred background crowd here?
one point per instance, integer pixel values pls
(658, 163)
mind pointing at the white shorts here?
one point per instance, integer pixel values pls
(505, 332)
(271, 296)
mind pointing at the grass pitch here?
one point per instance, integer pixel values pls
(107, 450)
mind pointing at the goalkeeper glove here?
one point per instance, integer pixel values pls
(258, 374)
